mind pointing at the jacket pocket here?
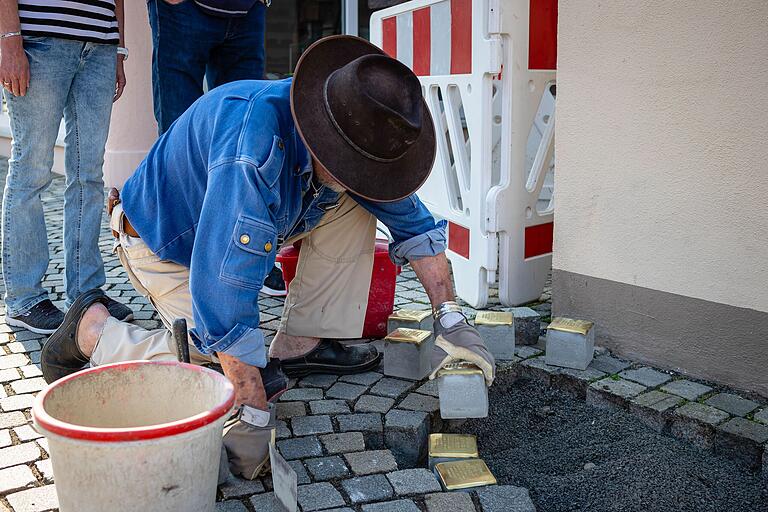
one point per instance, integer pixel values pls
(251, 253)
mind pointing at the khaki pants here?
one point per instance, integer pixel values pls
(327, 298)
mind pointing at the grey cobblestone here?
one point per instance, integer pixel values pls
(322, 381)
(12, 419)
(372, 403)
(505, 498)
(18, 454)
(300, 448)
(286, 410)
(34, 500)
(408, 482)
(28, 385)
(230, 506)
(646, 376)
(9, 375)
(302, 477)
(762, 416)
(362, 379)
(327, 468)
(449, 502)
(370, 462)
(654, 408)
(742, 439)
(345, 391)
(687, 389)
(267, 502)
(406, 434)
(609, 364)
(696, 423)
(308, 425)
(417, 402)
(344, 442)
(576, 381)
(429, 388)
(13, 361)
(15, 478)
(391, 388)
(369, 424)
(238, 487)
(730, 403)
(537, 369)
(365, 489)
(17, 402)
(26, 433)
(613, 394)
(319, 496)
(302, 395)
(392, 506)
(329, 407)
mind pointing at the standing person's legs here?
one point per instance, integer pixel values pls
(35, 120)
(182, 39)
(86, 116)
(241, 55)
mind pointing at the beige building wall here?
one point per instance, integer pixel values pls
(661, 231)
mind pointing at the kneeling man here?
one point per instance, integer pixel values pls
(254, 165)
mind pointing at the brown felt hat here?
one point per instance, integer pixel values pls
(362, 116)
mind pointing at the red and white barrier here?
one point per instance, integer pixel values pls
(487, 71)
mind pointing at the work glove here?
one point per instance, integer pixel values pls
(456, 340)
(247, 437)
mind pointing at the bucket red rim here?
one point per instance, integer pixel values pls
(99, 434)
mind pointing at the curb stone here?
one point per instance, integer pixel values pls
(613, 394)
(742, 439)
(696, 423)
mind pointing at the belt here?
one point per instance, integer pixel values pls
(127, 228)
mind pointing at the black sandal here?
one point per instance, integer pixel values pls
(61, 356)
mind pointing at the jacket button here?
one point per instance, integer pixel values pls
(280, 145)
(244, 239)
(268, 246)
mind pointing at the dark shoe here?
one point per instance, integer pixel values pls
(61, 356)
(274, 285)
(42, 318)
(332, 357)
(272, 376)
(119, 310)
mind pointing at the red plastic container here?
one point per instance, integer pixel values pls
(381, 294)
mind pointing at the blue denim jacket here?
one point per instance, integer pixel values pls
(223, 187)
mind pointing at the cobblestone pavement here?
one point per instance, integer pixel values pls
(355, 441)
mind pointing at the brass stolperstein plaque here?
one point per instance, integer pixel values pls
(461, 368)
(458, 446)
(410, 314)
(494, 318)
(415, 336)
(464, 474)
(570, 325)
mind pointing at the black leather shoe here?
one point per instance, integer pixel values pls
(61, 356)
(332, 357)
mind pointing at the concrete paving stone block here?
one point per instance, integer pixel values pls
(364, 489)
(343, 443)
(345, 391)
(302, 395)
(406, 434)
(34, 357)
(570, 349)
(308, 425)
(24, 347)
(742, 439)
(300, 448)
(646, 376)
(30, 370)
(236, 487)
(19, 454)
(370, 424)
(46, 469)
(696, 423)
(13, 361)
(429, 388)
(609, 364)
(230, 506)
(15, 478)
(527, 325)
(730, 403)
(408, 482)
(370, 462)
(12, 419)
(408, 360)
(654, 408)
(34, 500)
(329, 407)
(762, 416)
(613, 394)
(415, 318)
(362, 379)
(344, 509)
(327, 468)
(499, 339)
(281, 430)
(417, 402)
(26, 433)
(505, 498)
(373, 403)
(574, 381)
(538, 370)
(319, 496)
(9, 375)
(287, 410)
(28, 385)
(449, 502)
(391, 388)
(687, 389)
(302, 477)
(266, 502)
(392, 506)
(526, 352)
(5, 438)
(463, 392)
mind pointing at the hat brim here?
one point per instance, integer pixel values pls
(368, 178)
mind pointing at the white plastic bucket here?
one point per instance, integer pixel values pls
(136, 435)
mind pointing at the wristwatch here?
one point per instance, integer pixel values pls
(121, 50)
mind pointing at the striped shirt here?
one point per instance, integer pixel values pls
(83, 20)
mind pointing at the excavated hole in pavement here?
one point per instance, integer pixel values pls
(542, 438)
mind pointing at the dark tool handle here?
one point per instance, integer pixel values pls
(180, 336)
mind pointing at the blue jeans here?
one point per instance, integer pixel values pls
(189, 45)
(77, 80)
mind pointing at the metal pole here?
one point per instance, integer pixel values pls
(350, 17)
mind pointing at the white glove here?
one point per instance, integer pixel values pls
(460, 342)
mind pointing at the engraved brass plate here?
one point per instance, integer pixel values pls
(570, 325)
(461, 368)
(464, 474)
(402, 335)
(494, 318)
(459, 446)
(413, 315)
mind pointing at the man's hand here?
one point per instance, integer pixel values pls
(120, 79)
(461, 342)
(14, 66)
